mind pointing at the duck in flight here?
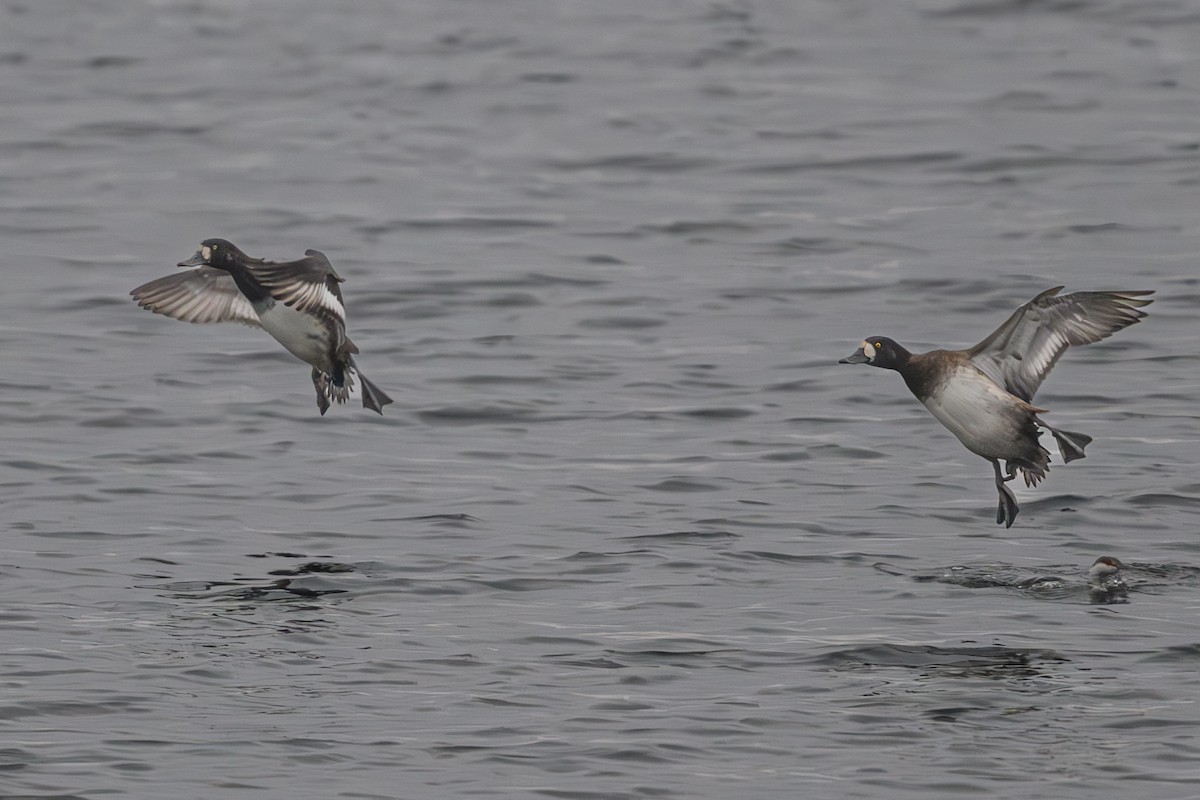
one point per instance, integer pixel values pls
(984, 395)
(297, 302)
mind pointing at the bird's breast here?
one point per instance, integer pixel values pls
(989, 421)
(309, 337)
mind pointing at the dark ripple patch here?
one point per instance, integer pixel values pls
(771, 522)
(786, 456)
(602, 259)
(463, 223)
(716, 413)
(620, 323)
(1175, 654)
(681, 485)
(624, 301)
(1163, 499)
(14, 758)
(1045, 161)
(132, 129)
(527, 280)
(837, 451)
(790, 558)
(280, 590)
(130, 417)
(90, 303)
(636, 162)
(684, 536)
(682, 652)
(71, 708)
(108, 61)
(1156, 577)
(872, 163)
(1036, 101)
(1100, 228)
(978, 660)
(814, 246)
(688, 228)
(496, 380)
(530, 584)
(500, 414)
(549, 77)
(457, 521)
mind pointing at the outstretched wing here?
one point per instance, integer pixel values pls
(199, 295)
(1021, 352)
(309, 285)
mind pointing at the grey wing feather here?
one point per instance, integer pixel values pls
(200, 295)
(1020, 353)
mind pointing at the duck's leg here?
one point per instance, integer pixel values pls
(321, 384)
(1006, 512)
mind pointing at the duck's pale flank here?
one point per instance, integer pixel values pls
(297, 302)
(984, 394)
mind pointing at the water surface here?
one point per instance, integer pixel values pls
(628, 530)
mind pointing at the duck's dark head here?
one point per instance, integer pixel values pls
(879, 351)
(219, 253)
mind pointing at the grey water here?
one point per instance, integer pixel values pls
(628, 531)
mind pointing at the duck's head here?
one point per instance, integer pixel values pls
(878, 351)
(219, 253)
(1105, 566)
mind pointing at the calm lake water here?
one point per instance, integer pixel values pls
(628, 531)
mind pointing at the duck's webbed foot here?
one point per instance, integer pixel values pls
(1070, 444)
(1007, 511)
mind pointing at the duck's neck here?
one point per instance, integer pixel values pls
(251, 288)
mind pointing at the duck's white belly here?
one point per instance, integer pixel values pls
(302, 334)
(984, 417)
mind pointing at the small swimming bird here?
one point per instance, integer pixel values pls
(984, 395)
(297, 302)
(1105, 582)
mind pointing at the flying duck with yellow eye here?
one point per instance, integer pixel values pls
(984, 394)
(297, 302)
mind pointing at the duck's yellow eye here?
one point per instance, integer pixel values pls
(878, 345)
(215, 246)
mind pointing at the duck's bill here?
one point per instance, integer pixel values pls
(859, 357)
(195, 261)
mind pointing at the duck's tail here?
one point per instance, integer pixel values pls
(329, 388)
(1033, 472)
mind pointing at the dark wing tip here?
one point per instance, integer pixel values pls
(1046, 296)
(325, 262)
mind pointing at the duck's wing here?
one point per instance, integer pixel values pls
(309, 285)
(1021, 352)
(199, 295)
